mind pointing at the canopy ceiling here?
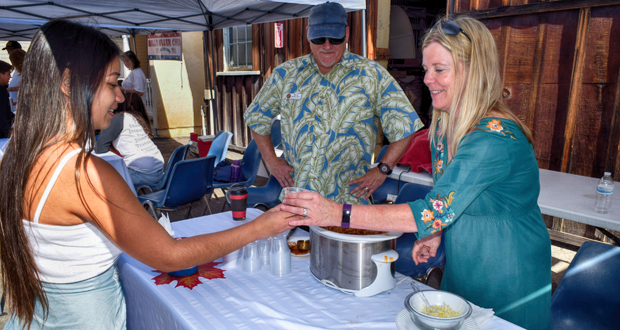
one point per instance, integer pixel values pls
(20, 19)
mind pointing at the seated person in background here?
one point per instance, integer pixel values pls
(6, 113)
(130, 134)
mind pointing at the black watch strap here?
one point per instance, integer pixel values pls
(346, 216)
(382, 168)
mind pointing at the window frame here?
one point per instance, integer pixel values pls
(226, 43)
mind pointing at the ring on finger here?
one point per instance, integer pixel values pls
(305, 212)
(367, 188)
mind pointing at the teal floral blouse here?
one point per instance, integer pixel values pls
(484, 201)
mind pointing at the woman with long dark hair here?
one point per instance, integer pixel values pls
(65, 216)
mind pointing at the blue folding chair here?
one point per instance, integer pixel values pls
(404, 244)
(588, 296)
(219, 147)
(189, 181)
(178, 155)
(389, 186)
(267, 196)
(249, 168)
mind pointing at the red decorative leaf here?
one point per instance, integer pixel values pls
(207, 271)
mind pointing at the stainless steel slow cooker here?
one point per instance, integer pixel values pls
(346, 262)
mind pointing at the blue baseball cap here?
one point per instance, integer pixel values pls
(327, 20)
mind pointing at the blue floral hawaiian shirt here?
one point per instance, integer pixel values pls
(329, 122)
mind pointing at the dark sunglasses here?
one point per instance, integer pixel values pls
(451, 28)
(333, 41)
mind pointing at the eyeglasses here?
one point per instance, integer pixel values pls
(451, 28)
(333, 41)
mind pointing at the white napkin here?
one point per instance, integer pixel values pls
(165, 222)
(479, 317)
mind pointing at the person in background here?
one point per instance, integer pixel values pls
(66, 215)
(6, 111)
(136, 81)
(17, 59)
(331, 102)
(486, 185)
(11, 46)
(130, 135)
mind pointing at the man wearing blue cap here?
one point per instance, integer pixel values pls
(330, 103)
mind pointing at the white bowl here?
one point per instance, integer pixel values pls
(414, 304)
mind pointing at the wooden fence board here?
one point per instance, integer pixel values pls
(545, 124)
(516, 97)
(520, 51)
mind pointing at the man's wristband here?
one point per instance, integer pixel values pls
(346, 216)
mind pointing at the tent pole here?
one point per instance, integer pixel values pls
(209, 87)
(364, 50)
(135, 49)
(214, 96)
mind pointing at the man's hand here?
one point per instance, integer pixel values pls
(368, 183)
(280, 169)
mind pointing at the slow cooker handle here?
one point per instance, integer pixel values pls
(384, 280)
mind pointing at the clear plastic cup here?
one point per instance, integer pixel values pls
(280, 257)
(230, 259)
(250, 261)
(294, 190)
(264, 247)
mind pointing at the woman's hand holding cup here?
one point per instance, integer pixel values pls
(318, 210)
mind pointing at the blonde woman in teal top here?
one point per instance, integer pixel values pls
(484, 200)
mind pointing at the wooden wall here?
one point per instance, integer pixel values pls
(235, 93)
(560, 68)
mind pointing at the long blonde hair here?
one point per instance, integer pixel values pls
(478, 93)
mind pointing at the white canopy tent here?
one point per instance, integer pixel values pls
(20, 19)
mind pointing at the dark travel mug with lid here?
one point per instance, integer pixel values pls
(237, 196)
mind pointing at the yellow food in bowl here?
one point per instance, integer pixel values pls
(441, 311)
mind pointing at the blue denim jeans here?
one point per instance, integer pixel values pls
(139, 178)
(95, 303)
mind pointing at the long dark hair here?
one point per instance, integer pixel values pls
(66, 53)
(17, 59)
(133, 105)
(133, 58)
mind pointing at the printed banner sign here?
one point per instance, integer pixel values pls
(164, 46)
(279, 35)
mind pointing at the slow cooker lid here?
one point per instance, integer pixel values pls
(355, 238)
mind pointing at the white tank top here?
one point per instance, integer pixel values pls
(67, 254)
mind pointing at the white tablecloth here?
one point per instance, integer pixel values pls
(119, 164)
(562, 195)
(254, 301)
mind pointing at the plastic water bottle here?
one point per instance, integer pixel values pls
(235, 171)
(603, 193)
